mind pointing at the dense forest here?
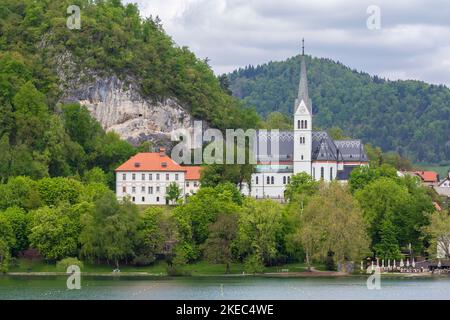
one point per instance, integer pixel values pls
(408, 117)
(41, 137)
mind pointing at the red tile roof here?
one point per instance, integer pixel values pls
(150, 161)
(156, 161)
(192, 173)
(428, 176)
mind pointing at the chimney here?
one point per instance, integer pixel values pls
(162, 152)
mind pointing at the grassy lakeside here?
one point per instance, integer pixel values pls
(201, 268)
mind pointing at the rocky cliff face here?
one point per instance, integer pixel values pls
(119, 106)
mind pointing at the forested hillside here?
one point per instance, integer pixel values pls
(410, 117)
(41, 137)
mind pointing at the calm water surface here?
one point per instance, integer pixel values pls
(212, 288)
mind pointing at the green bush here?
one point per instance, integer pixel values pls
(253, 264)
(63, 264)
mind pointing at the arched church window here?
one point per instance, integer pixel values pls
(273, 180)
(298, 124)
(268, 180)
(306, 124)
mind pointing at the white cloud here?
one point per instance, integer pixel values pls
(414, 40)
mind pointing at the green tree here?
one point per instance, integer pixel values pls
(17, 219)
(260, 226)
(332, 222)
(19, 192)
(302, 185)
(56, 190)
(154, 231)
(218, 246)
(364, 175)
(173, 192)
(95, 175)
(388, 247)
(194, 217)
(387, 198)
(54, 232)
(108, 230)
(439, 233)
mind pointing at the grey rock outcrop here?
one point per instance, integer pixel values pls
(119, 106)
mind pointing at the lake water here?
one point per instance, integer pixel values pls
(217, 288)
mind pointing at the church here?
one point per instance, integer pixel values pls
(301, 150)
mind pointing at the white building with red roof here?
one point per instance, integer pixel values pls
(145, 177)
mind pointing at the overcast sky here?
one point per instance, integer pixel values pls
(412, 43)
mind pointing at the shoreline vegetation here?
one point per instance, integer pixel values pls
(200, 269)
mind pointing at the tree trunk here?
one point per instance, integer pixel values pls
(308, 262)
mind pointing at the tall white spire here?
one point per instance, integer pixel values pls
(303, 85)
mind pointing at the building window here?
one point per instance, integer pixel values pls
(302, 125)
(150, 177)
(142, 189)
(273, 180)
(157, 189)
(176, 176)
(257, 180)
(124, 189)
(314, 173)
(133, 176)
(302, 157)
(306, 124)
(167, 177)
(289, 179)
(268, 180)
(298, 124)
(322, 172)
(195, 183)
(284, 180)
(187, 184)
(133, 199)
(133, 189)
(157, 199)
(331, 173)
(150, 190)
(157, 176)
(143, 177)
(124, 177)
(143, 199)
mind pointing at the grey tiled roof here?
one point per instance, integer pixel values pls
(323, 147)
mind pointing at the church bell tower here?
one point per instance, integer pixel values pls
(302, 122)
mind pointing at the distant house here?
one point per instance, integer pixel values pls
(144, 178)
(446, 182)
(429, 178)
(443, 188)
